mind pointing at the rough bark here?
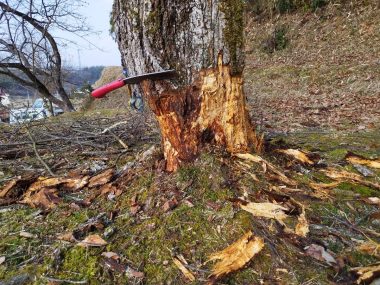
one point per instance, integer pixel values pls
(203, 41)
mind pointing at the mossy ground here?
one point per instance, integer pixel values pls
(148, 240)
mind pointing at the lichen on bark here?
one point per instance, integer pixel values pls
(234, 32)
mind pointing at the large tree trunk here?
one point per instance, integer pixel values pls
(203, 41)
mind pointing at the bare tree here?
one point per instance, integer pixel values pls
(29, 51)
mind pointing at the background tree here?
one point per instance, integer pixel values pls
(29, 51)
(203, 41)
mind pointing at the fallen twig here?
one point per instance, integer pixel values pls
(52, 279)
(37, 154)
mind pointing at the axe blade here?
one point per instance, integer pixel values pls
(161, 75)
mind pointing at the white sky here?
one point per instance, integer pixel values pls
(97, 14)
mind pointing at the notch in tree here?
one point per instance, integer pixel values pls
(203, 41)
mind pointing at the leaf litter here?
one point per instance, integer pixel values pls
(47, 193)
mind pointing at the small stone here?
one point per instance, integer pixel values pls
(363, 170)
(18, 280)
(165, 262)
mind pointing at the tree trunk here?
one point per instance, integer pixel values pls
(203, 41)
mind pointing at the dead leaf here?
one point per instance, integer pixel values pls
(188, 274)
(367, 274)
(110, 254)
(370, 247)
(135, 209)
(131, 273)
(299, 155)
(235, 256)
(276, 173)
(170, 204)
(109, 189)
(266, 210)
(372, 201)
(318, 252)
(102, 178)
(349, 176)
(357, 159)
(93, 240)
(2, 259)
(66, 237)
(114, 265)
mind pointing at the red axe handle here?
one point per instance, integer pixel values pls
(102, 91)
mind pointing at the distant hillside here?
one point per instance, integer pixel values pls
(314, 68)
(78, 77)
(74, 78)
(118, 99)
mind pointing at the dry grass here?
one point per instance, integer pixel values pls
(117, 99)
(327, 77)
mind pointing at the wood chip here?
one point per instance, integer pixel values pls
(235, 256)
(102, 178)
(45, 198)
(266, 210)
(357, 159)
(302, 227)
(275, 172)
(367, 274)
(298, 155)
(186, 272)
(349, 176)
(8, 187)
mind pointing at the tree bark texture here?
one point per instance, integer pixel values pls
(203, 41)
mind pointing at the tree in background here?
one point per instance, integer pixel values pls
(29, 51)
